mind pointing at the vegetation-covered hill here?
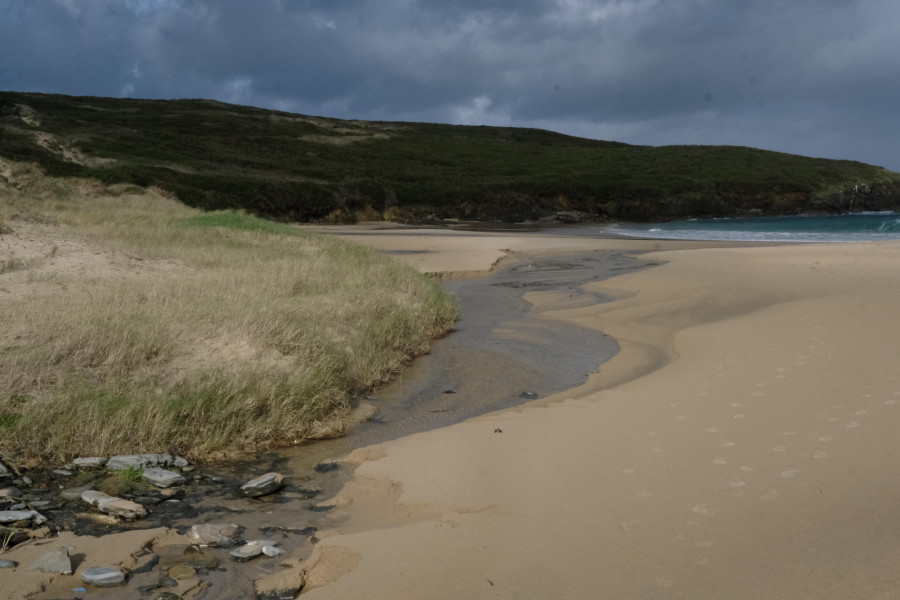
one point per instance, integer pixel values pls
(293, 167)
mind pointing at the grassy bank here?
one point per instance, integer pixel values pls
(145, 325)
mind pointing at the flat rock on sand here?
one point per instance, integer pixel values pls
(115, 550)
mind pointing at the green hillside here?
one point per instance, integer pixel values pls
(300, 168)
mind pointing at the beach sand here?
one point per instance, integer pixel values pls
(741, 444)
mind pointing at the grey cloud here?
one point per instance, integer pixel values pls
(813, 77)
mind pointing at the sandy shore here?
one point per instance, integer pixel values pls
(741, 445)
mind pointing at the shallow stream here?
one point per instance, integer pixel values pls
(503, 353)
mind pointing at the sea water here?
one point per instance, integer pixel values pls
(856, 227)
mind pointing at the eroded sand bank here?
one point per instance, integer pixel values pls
(742, 445)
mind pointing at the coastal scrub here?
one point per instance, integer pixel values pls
(145, 326)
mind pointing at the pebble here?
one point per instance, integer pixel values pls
(180, 462)
(63, 472)
(8, 564)
(263, 485)
(4, 472)
(103, 577)
(54, 561)
(166, 596)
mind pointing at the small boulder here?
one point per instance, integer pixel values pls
(103, 577)
(162, 478)
(262, 485)
(54, 561)
(16, 516)
(8, 564)
(89, 462)
(112, 505)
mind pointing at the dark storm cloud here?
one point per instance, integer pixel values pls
(817, 78)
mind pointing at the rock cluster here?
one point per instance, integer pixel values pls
(134, 486)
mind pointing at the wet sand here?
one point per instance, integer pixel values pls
(741, 445)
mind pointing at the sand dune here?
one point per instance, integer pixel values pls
(742, 445)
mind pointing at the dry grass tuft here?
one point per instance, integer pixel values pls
(198, 333)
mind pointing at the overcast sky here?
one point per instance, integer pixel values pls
(813, 77)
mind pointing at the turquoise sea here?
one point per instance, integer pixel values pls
(857, 227)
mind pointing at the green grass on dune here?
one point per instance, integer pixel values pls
(232, 333)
